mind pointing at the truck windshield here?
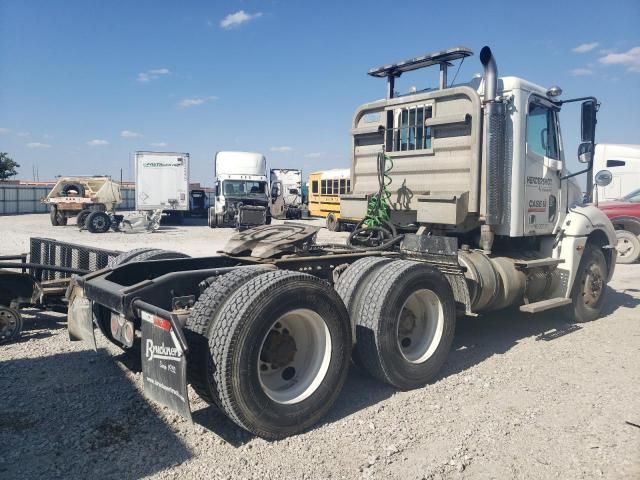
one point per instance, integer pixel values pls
(243, 187)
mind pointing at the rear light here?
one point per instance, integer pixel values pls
(128, 334)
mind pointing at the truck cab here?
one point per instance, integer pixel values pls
(482, 163)
(241, 191)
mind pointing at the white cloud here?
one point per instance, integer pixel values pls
(194, 102)
(581, 72)
(629, 59)
(281, 149)
(97, 142)
(158, 144)
(47, 136)
(235, 19)
(153, 74)
(314, 155)
(23, 134)
(38, 145)
(130, 134)
(585, 47)
(5, 131)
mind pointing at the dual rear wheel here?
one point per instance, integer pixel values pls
(272, 348)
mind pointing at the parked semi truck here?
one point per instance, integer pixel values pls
(241, 191)
(286, 193)
(472, 217)
(162, 183)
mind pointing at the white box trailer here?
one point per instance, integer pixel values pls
(162, 181)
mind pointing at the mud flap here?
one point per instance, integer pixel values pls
(164, 365)
(80, 321)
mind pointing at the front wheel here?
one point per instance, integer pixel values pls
(212, 220)
(628, 247)
(587, 294)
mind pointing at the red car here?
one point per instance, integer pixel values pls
(625, 216)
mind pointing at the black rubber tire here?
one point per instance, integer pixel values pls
(235, 343)
(212, 219)
(333, 224)
(53, 215)
(98, 222)
(64, 191)
(157, 254)
(377, 321)
(199, 324)
(62, 219)
(128, 256)
(82, 217)
(14, 331)
(352, 281)
(632, 242)
(579, 311)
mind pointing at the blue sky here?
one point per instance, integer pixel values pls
(83, 84)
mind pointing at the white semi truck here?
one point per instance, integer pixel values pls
(472, 216)
(286, 193)
(241, 191)
(162, 182)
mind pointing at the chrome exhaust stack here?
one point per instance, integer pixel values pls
(494, 148)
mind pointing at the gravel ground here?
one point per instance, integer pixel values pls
(520, 397)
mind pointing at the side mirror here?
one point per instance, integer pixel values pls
(603, 178)
(588, 121)
(585, 152)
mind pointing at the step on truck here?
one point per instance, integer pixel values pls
(472, 217)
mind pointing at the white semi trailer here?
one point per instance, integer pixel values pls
(162, 182)
(286, 193)
(473, 216)
(241, 191)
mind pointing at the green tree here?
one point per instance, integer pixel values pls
(7, 166)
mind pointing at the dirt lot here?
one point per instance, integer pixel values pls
(520, 397)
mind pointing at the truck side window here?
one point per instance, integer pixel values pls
(541, 131)
(314, 186)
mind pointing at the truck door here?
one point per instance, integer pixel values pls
(543, 167)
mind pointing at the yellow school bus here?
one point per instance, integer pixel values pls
(325, 189)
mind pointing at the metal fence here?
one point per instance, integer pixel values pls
(18, 199)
